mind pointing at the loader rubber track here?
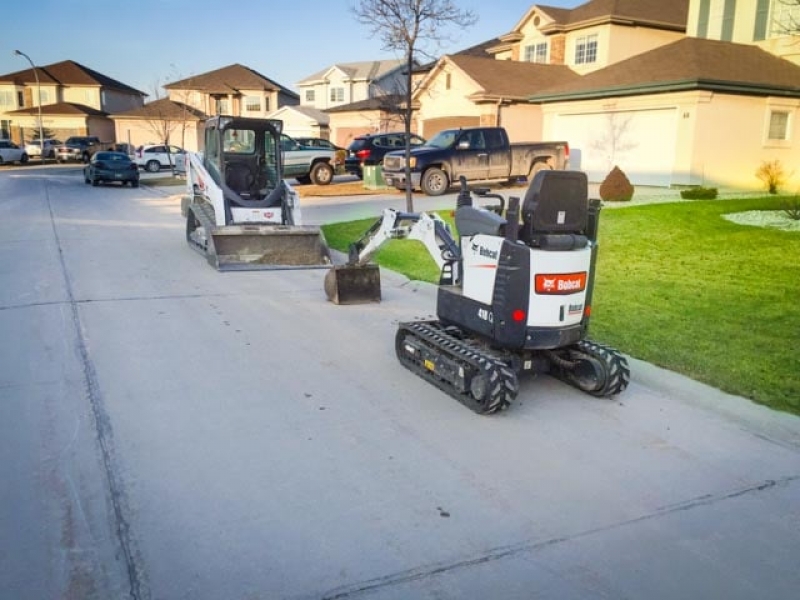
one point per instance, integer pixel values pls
(444, 357)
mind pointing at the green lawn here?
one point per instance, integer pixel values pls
(683, 288)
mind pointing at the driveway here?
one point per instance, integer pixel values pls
(171, 432)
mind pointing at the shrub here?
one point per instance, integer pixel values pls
(791, 208)
(616, 187)
(699, 193)
(772, 175)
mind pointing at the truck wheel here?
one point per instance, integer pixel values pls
(540, 165)
(304, 179)
(434, 182)
(153, 166)
(321, 173)
(23, 159)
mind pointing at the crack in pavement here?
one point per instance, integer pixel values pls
(138, 591)
(428, 571)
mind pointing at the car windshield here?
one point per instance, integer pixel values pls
(443, 139)
(111, 156)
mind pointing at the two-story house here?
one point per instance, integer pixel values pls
(707, 109)
(360, 97)
(234, 90)
(548, 46)
(75, 100)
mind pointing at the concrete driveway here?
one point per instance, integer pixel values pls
(170, 432)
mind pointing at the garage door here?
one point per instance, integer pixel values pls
(430, 127)
(641, 143)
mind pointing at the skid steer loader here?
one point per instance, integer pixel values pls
(240, 213)
(512, 298)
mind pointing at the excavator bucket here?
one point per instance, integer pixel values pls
(353, 284)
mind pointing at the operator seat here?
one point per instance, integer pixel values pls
(239, 178)
(555, 211)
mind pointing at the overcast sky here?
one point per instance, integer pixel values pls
(144, 43)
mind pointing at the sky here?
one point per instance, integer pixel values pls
(147, 43)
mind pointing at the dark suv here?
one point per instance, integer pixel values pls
(368, 150)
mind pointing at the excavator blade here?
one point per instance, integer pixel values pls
(353, 284)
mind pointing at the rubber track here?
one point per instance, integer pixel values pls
(618, 374)
(205, 217)
(502, 380)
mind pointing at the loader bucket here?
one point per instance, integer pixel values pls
(265, 247)
(353, 284)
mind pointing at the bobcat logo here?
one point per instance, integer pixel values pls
(548, 284)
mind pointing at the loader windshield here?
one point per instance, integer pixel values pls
(250, 159)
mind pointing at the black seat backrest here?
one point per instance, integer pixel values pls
(556, 202)
(239, 178)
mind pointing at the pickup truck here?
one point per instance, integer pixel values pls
(307, 164)
(477, 153)
(80, 148)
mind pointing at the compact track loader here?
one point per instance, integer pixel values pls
(240, 213)
(513, 297)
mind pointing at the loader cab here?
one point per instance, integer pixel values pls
(243, 157)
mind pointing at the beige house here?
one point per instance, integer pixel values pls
(178, 119)
(75, 100)
(631, 83)
(303, 121)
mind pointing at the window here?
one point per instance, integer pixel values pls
(762, 17)
(778, 125)
(5, 129)
(223, 106)
(586, 49)
(309, 95)
(447, 81)
(728, 14)
(252, 104)
(702, 19)
(785, 17)
(7, 100)
(536, 53)
(266, 104)
(45, 97)
(337, 94)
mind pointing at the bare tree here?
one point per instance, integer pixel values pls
(160, 120)
(786, 17)
(614, 141)
(413, 28)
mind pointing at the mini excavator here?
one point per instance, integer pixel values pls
(514, 295)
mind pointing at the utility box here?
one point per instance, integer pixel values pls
(373, 177)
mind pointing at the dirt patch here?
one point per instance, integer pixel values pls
(344, 188)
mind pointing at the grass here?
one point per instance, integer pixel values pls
(681, 287)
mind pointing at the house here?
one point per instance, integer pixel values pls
(700, 111)
(675, 93)
(234, 90)
(75, 100)
(548, 46)
(303, 121)
(345, 83)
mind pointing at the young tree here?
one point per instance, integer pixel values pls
(413, 28)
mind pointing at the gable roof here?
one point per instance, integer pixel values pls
(660, 14)
(164, 108)
(386, 103)
(509, 79)
(357, 71)
(687, 64)
(60, 109)
(67, 72)
(312, 113)
(229, 80)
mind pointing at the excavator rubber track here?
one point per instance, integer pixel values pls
(596, 369)
(455, 364)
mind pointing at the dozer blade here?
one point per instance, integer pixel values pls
(264, 247)
(353, 284)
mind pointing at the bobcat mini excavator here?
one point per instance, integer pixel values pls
(512, 298)
(240, 213)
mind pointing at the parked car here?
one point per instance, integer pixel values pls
(367, 150)
(80, 148)
(153, 157)
(111, 166)
(34, 148)
(11, 153)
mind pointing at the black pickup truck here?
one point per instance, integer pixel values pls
(477, 153)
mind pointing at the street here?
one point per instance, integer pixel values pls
(171, 432)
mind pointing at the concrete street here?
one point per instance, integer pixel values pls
(171, 432)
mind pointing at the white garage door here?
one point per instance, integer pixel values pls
(641, 143)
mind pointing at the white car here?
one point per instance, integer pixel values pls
(153, 157)
(34, 148)
(11, 153)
